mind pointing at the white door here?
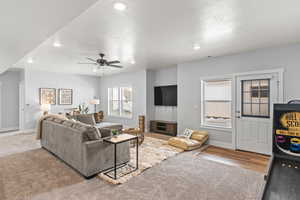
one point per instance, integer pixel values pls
(21, 105)
(255, 97)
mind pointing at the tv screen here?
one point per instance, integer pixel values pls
(165, 95)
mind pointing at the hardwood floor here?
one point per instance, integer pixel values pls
(247, 160)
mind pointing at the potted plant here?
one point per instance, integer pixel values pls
(83, 109)
(114, 132)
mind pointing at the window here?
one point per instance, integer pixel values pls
(216, 103)
(255, 98)
(126, 102)
(120, 102)
(114, 102)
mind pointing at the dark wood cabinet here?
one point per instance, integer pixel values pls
(165, 127)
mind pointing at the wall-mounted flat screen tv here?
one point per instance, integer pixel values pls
(165, 95)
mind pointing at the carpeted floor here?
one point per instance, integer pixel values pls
(17, 143)
(37, 175)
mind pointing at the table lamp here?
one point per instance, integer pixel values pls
(95, 102)
(45, 108)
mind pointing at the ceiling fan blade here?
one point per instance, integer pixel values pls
(83, 63)
(116, 66)
(113, 62)
(92, 59)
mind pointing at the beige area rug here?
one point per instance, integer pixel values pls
(151, 152)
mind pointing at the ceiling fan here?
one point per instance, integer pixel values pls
(101, 62)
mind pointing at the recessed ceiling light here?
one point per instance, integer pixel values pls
(30, 60)
(120, 6)
(196, 47)
(95, 69)
(132, 62)
(57, 44)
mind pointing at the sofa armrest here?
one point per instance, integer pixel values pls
(93, 144)
(99, 155)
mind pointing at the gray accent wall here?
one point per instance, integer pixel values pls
(189, 74)
(9, 99)
(136, 80)
(84, 88)
(161, 77)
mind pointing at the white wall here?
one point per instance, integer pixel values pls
(287, 57)
(84, 88)
(162, 77)
(10, 99)
(136, 80)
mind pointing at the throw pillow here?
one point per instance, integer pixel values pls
(98, 117)
(68, 123)
(92, 133)
(57, 120)
(79, 125)
(87, 119)
(187, 133)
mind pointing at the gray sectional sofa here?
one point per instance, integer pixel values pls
(81, 145)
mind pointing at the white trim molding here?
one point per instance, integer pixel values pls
(280, 94)
(281, 99)
(221, 144)
(202, 110)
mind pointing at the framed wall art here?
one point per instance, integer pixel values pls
(65, 96)
(47, 96)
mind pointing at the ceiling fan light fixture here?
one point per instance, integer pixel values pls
(120, 6)
(95, 69)
(30, 60)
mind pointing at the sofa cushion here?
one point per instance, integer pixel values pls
(87, 119)
(58, 120)
(184, 143)
(49, 119)
(195, 141)
(79, 125)
(89, 132)
(199, 135)
(68, 123)
(92, 133)
(73, 117)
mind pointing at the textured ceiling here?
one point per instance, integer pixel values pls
(160, 33)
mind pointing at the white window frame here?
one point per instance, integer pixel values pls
(202, 103)
(120, 102)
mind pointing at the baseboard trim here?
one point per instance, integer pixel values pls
(221, 144)
(25, 131)
(4, 130)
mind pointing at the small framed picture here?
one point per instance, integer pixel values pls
(47, 96)
(65, 96)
